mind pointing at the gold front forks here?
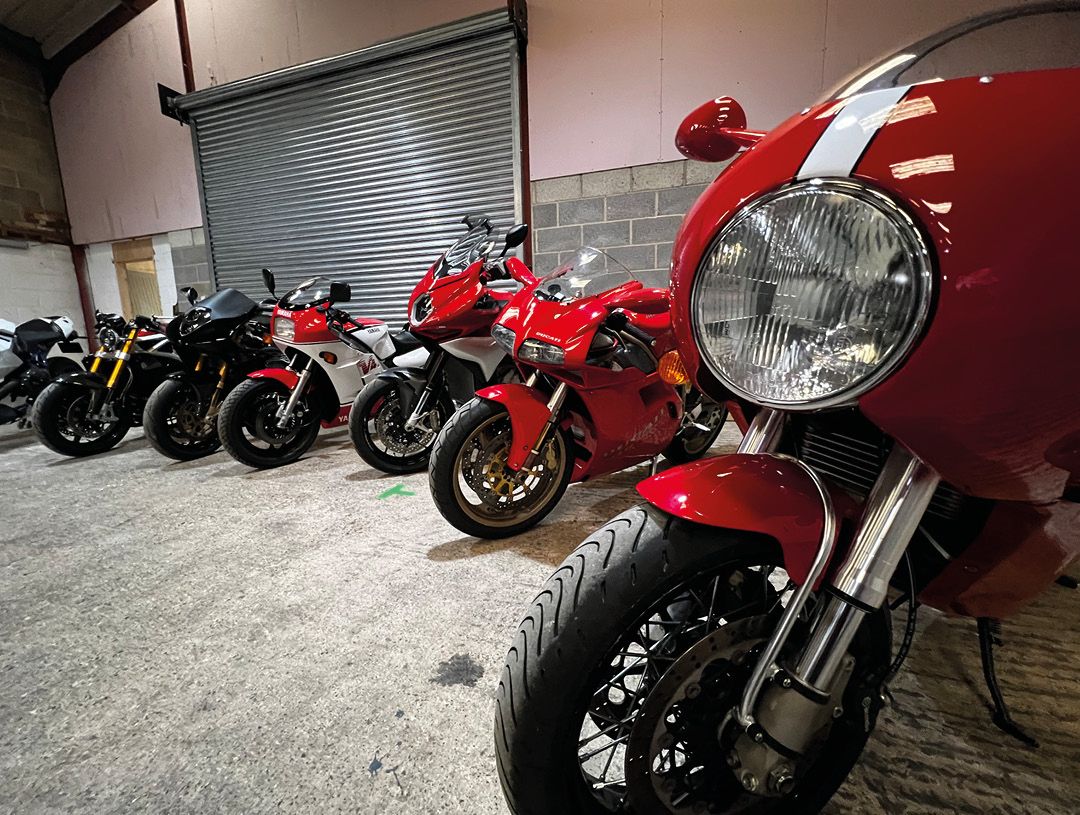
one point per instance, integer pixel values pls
(219, 391)
(122, 357)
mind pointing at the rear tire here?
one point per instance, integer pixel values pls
(570, 653)
(446, 472)
(377, 405)
(249, 405)
(163, 421)
(56, 415)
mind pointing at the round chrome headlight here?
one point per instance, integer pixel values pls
(811, 295)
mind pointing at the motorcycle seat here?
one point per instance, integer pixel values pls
(404, 341)
(36, 333)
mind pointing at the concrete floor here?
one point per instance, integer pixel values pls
(203, 638)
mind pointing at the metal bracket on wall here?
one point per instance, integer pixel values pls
(166, 95)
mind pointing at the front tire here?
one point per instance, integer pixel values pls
(623, 608)
(703, 421)
(247, 425)
(175, 421)
(377, 429)
(472, 485)
(59, 417)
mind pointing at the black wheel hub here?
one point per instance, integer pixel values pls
(676, 760)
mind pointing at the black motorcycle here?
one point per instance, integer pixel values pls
(25, 369)
(87, 412)
(220, 340)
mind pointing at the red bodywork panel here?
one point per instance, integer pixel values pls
(310, 325)
(627, 416)
(454, 297)
(764, 494)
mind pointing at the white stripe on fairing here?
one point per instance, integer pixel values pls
(842, 144)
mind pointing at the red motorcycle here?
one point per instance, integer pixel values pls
(605, 390)
(274, 416)
(397, 416)
(872, 283)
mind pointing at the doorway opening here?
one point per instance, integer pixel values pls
(136, 275)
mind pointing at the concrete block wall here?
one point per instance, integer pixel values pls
(632, 213)
(29, 168)
(38, 280)
(191, 260)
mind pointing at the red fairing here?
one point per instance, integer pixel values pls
(990, 396)
(453, 312)
(310, 325)
(341, 418)
(753, 493)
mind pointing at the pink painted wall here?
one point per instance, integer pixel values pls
(610, 80)
(241, 38)
(127, 170)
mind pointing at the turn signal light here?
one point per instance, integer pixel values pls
(330, 357)
(672, 370)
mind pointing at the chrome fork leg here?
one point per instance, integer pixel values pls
(764, 433)
(285, 412)
(892, 514)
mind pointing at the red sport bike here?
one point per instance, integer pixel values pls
(605, 390)
(887, 286)
(396, 417)
(274, 416)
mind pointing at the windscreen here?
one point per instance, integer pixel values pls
(588, 272)
(1037, 37)
(311, 292)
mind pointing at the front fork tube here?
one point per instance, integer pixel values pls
(890, 517)
(286, 411)
(554, 408)
(421, 409)
(219, 390)
(99, 398)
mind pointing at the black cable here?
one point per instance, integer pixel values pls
(909, 630)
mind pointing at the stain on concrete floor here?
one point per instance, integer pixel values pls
(178, 638)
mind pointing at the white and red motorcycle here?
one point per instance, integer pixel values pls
(274, 417)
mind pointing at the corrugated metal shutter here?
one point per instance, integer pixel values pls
(359, 168)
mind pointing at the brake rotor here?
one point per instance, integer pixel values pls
(674, 757)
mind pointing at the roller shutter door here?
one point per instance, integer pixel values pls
(359, 168)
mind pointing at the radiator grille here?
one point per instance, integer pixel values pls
(853, 459)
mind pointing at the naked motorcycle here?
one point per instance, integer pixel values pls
(604, 390)
(274, 416)
(220, 339)
(867, 281)
(25, 365)
(82, 413)
(396, 418)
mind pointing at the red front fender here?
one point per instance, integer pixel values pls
(766, 494)
(528, 413)
(282, 375)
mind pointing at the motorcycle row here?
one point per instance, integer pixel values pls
(510, 385)
(727, 645)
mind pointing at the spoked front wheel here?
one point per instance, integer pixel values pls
(472, 484)
(250, 430)
(616, 692)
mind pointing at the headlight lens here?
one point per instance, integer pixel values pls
(505, 337)
(541, 352)
(811, 294)
(284, 328)
(194, 319)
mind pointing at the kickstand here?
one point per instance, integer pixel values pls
(654, 462)
(989, 636)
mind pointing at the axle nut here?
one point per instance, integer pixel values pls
(749, 782)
